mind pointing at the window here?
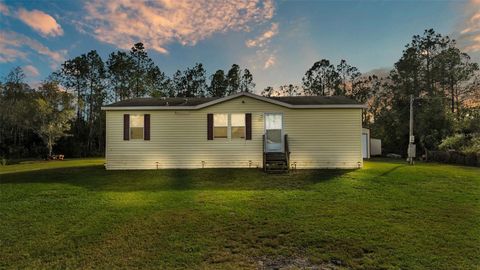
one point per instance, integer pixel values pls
(220, 125)
(238, 125)
(136, 127)
(229, 126)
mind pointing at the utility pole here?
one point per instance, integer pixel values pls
(411, 139)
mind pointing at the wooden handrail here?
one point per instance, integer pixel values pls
(264, 153)
(287, 151)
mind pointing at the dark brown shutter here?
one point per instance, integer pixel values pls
(146, 127)
(126, 127)
(210, 126)
(248, 126)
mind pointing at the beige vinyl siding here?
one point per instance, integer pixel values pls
(318, 138)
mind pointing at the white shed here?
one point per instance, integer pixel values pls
(366, 143)
(375, 147)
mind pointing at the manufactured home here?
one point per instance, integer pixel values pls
(243, 130)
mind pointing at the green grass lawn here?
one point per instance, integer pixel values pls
(388, 215)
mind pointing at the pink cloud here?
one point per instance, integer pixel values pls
(469, 36)
(160, 22)
(264, 38)
(41, 22)
(31, 71)
(4, 9)
(475, 44)
(15, 45)
(265, 55)
(271, 60)
(262, 59)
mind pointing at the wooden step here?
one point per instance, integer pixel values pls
(276, 157)
(276, 171)
(276, 162)
(276, 167)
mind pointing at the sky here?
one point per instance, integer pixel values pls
(276, 40)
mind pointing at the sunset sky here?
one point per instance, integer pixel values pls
(277, 40)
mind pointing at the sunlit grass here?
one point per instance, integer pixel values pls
(42, 165)
(74, 214)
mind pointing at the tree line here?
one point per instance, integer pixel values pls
(443, 80)
(446, 85)
(89, 83)
(32, 120)
(432, 68)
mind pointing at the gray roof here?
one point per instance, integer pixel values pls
(176, 101)
(316, 100)
(172, 102)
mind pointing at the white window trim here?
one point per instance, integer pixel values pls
(229, 127)
(143, 127)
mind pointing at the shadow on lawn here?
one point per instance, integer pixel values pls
(385, 173)
(96, 178)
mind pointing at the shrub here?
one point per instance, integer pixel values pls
(471, 159)
(452, 156)
(473, 146)
(454, 142)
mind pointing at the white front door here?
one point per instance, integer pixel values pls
(274, 132)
